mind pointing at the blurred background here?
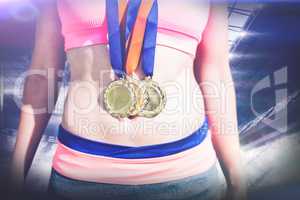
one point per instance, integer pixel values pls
(265, 60)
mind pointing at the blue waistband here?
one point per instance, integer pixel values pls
(119, 151)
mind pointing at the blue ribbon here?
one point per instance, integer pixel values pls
(131, 16)
(117, 47)
(149, 45)
(130, 152)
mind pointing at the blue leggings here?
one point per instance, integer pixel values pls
(205, 186)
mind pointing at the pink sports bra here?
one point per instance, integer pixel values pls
(180, 23)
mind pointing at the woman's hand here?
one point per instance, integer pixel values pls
(237, 188)
(236, 194)
(16, 180)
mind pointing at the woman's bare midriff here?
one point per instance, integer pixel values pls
(85, 116)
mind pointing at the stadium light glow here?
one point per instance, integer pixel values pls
(243, 34)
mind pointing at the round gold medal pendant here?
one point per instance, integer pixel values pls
(156, 98)
(119, 98)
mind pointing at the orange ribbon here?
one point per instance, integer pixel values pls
(135, 42)
(137, 37)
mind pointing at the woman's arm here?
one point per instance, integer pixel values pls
(40, 90)
(215, 80)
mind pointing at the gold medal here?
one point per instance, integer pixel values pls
(129, 97)
(119, 98)
(156, 98)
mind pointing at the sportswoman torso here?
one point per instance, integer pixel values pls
(91, 72)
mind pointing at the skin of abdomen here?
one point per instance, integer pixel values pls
(91, 72)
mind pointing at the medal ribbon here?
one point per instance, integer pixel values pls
(150, 41)
(139, 38)
(116, 49)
